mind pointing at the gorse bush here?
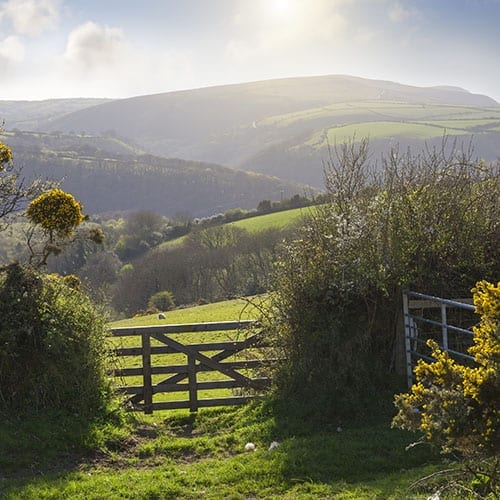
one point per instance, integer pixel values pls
(456, 406)
(5, 155)
(52, 345)
(56, 212)
(428, 222)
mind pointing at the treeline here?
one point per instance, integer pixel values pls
(216, 263)
(108, 175)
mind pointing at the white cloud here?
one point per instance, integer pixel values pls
(92, 47)
(99, 60)
(11, 50)
(31, 17)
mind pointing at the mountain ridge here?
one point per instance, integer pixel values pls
(282, 127)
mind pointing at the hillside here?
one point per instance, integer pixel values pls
(110, 175)
(281, 127)
(34, 115)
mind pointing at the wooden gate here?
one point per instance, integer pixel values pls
(236, 362)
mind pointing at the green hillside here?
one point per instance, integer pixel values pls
(279, 127)
(277, 220)
(282, 127)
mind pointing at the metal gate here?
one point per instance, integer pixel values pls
(448, 322)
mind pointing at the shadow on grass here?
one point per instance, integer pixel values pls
(356, 450)
(36, 444)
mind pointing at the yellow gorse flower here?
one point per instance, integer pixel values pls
(56, 212)
(5, 155)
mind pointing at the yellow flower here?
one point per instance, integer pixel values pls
(56, 212)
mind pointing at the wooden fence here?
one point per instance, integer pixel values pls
(448, 322)
(235, 362)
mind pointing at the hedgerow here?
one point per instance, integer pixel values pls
(52, 345)
(429, 222)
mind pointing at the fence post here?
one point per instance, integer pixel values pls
(146, 373)
(444, 326)
(193, 392)
(407, 331)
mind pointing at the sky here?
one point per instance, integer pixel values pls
(124, 48)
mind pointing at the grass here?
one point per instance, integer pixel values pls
(278, 220)
(219, 311)
(202, 455)
(178, 455)
(385, 110)
(378, 130)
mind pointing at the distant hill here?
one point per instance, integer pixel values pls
(108, 175)
(37, 115)
(283, 127)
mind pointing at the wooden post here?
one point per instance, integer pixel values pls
(146, 373)
(193, 392)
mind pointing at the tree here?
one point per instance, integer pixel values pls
(57, 215)
(15, 191)
(163, 301)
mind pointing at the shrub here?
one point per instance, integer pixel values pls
(5, 155)
(162, 301)
(52, 344)
(428, 222)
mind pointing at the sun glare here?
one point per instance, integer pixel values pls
(280, 8)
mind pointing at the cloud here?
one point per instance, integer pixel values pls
(92, 47)
(100, 60)
(11, 50)
(31, 17)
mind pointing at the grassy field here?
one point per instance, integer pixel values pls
(203, 455)
(388, 120)
(279, 220)
(383, 110)
(176, 454)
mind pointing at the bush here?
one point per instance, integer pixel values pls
(52, 345)
(427, 222)
(162, 301)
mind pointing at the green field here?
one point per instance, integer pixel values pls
(278, 220)
(382, 110)
(220, 311)
(387, 120)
